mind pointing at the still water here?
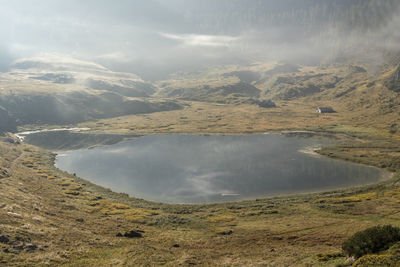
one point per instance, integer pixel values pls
(200, 169)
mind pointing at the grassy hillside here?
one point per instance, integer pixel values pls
(78, 106)
(59, 90)
(364, 103)
(54, 218)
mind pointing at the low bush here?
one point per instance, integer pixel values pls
(371, 240)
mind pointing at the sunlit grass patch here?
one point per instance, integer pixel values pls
(393, 193)
(374, 260)
(136, 215)
(65, 182)
(221, 218)
(75, 187)
(348, 199)
(108, 207)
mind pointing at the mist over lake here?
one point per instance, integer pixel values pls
(202, 169)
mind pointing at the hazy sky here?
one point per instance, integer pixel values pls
(148, 37)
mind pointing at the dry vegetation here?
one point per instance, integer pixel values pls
(365, 108)
(74, 222)
(54, 218)
(203, 117)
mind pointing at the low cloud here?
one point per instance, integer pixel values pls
(6, 58)
(156, 38)
(115, 56)
(201, 40)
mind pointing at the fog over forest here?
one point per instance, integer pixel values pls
(155, 38)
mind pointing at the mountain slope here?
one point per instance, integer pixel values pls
(58, 69)
(62, 90)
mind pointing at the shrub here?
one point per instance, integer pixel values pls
(374, 260)
(371, 240)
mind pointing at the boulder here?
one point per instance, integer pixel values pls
(266, 103)
(30, 247)
(228, 232)
(133, 234)
(4, 239)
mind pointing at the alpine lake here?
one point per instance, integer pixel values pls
(205, 169)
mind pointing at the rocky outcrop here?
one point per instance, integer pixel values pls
(287, 87)
(245, 76)
(207, 92)
(267, 103)
(124, 87)
(394, 82)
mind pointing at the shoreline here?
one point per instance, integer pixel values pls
(87, 131)
(385, 175)
(21, 135)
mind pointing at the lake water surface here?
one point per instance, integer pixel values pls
(200, 169)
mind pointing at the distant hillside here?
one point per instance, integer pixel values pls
(74, 107)
(64, 96)
(364, 95)
(210, 93)
(58, 69)
(259, 81)
(62, 90)
(223, 84)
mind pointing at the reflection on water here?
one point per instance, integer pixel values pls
(194, 169)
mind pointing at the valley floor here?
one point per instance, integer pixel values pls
(54, 218)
